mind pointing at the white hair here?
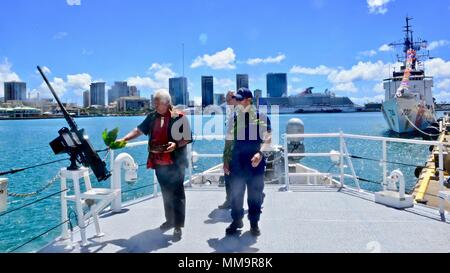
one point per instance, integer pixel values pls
(163, 95)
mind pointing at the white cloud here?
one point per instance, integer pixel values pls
(6, 74)
(268, 60)
(378, 6)
(76, 83)
(320, 70)
(224, 84)
(344, 79)
(157, 79)
(444, 85)
(363, 71)
(378, 88)
(203, 38)
(368, 53)
(73, 2)
(86, 52)
(438, 68)
(45, 69)
(295, 79)
(60, 35)
(224, 59)
(58, 85)
(436, 44)
(385, 48)
(345, 87)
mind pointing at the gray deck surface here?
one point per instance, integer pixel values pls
(305, 220)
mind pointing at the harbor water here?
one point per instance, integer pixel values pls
(25, 143)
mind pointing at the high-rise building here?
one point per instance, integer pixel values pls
(178, 91)
(118, 90)
(241, 81)
(133, 91)
(257, 93)
(207, 91)
(97, 93)
(15, 91)
(86, 99)
(277, 85)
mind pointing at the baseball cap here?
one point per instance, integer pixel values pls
(243, 93)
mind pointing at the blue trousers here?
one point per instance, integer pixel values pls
(255, 187)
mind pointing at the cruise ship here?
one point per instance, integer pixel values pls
(309, 102)
(409, 105)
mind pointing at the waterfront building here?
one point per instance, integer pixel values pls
(15, 91)
(178, 91)
(86, 99)
(277, 85)
(207, 91)
(97, 94)
(132, 104)
(241, 81)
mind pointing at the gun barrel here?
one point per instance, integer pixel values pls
(73, 126)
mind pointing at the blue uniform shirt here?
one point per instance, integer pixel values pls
(248, 136)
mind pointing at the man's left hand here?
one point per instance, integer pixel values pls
(256, 160)
(171, 148)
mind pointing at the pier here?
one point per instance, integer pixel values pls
(429, 187)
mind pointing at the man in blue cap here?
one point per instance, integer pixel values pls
(252, 135)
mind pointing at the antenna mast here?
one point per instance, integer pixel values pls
(182, 54)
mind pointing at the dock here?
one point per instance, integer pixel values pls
(428, 186)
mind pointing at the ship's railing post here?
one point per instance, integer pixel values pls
(341, 163)
(441, 172)
(384, 175)
(111, 160)
(286, 162)
(64, 212)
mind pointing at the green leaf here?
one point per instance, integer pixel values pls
(110, 137)
(116, 145)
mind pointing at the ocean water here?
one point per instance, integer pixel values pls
(25, 143)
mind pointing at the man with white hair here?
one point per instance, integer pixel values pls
(169, 133)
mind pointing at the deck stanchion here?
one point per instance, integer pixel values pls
(341, 163)
(384, 164)
(286, 162)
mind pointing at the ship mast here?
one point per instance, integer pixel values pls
(410, 44)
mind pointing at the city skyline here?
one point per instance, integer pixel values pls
(343, 48)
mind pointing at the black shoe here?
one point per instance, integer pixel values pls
(232, 229)
(166, 226)
(177, 233)
(254, 230)
(226, 205)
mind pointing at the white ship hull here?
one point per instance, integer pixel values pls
(404, 115)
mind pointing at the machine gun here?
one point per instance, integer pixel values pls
(75, 142)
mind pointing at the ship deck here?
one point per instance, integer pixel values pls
(319, 219)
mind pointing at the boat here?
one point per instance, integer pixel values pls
(305, 209)
(309, 102)
(409, 105)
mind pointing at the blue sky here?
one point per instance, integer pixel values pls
(322, 43)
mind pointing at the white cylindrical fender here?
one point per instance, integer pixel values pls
(3, 194)
(295, 145)
(116, 184)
